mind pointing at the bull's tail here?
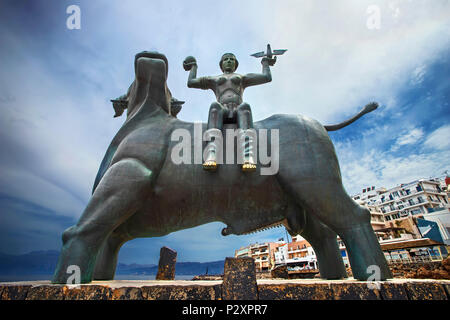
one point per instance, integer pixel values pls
(368, 108)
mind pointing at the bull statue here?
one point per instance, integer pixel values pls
(140, 192)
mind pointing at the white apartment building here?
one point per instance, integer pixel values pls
(262, 253)
(411, 199)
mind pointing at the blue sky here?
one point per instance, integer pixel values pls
(57, 121)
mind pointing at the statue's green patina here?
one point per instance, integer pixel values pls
(140, 192)
(229, 108)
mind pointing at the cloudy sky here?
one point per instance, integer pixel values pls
(57, 121)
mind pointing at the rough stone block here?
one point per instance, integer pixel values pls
(239, 280)
(294, 292)
(91, 292)
(126, 294)
(280, 272)
(355, 291)
(393, 291)
(14, 292)
(181, 292)
(166, 266)
(425, 291)
(45, 293)
(447, 290)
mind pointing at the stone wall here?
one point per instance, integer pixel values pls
(439, 270)
(428, 270)
(398, 289)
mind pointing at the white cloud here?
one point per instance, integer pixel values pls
(29, 187)
(418, 75)
(333, 65)
(361, 168)
(439, 139)
(411, 136)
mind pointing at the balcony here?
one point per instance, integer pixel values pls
(256, 253)
(434, 191)
(298, 250)
(391, 211)
(414, 205)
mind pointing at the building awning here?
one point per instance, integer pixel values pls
(416, 243)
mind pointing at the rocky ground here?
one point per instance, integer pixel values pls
(439, 270)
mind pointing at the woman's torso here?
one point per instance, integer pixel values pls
(229, 88)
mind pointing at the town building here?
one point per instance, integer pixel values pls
(300, 255)
(262, 253)
(416, 198)
(411, 221)
(297, 254)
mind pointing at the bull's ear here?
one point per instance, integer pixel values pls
(119, 106)
(175, 106)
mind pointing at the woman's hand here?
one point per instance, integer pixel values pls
(269, 61)
(189, 62)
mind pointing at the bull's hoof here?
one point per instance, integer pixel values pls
(248, 167)
(210, 165)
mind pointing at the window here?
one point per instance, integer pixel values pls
(420, 200)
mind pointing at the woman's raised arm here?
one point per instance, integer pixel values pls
(253, 79)
(193, 82)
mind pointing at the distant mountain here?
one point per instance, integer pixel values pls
(36, 262)
(123, 268)
(181, 268)
(44, 263)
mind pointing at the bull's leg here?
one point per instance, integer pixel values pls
(106, 262)
(324, 242)
(120, 193)
(364, 251)
(332, 206)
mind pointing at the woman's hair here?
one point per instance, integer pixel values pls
(228, 54)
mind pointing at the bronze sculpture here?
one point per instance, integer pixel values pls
(140, 192)
(229, 108)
